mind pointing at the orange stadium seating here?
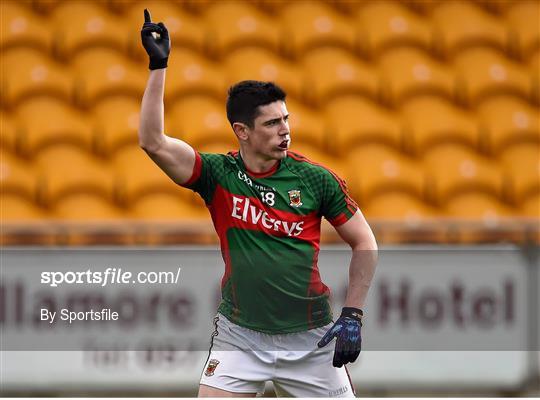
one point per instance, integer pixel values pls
(453, 169)
(61, 179)
(9, 131)
(522, 163)
(483, 72)
(375, 169)
(433, 120)
(246, 26)
(199, 120)
(262, 64)
(508, 120)
(15, 208)
(19, 27)
(194, 74)
(385, 24)
(331, 72)
(306, 126)
(18, 176)
(407, 72)
(523, 19)
(459, 25)
(116, 123)
(137, 176)
(82, 24)
(47, 121)
(314, 24)
(429, 109)
(355, 121)
(185, 29)
(29, 72)
(399, 205)
(102, 72)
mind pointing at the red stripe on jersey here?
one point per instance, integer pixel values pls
(230, 210)
(351, 204)
(316, 287)
(197, 168)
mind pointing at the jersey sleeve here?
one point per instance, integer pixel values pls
(205, 174)
(337, 205)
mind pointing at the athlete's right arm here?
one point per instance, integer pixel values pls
(175, 157)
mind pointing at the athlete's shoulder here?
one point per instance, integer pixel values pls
(302, 164)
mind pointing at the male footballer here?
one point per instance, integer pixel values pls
(274, 321)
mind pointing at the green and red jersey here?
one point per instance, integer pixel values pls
(269, 229)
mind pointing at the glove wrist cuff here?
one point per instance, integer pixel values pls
(352, 312)
(158, 64)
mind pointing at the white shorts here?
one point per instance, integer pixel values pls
(301, 371)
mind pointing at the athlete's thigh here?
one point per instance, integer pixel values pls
(208, 391)
(312, 376)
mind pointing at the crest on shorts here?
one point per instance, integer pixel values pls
(212, 364)
(295, 199)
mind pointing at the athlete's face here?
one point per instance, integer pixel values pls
(270, 136)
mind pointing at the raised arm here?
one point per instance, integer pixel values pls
(175, 157)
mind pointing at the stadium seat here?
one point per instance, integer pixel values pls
(46, 6)
(102, 72)
(497, 7)
(199, 120)
(46, 121)
(424, 7)
(17, 176)
(507, 120)
(217, 147)
(138, 175)
(375, 169)
(314, 24)
(460, 24)
(306, 126)
(27, 72)
(524, 27)
(87, 207)
(484, 72)
(330, 72)
(452, 169)
(319, 156)
(19, 209)
(185, 30)
(531, 206)
(193, 74)
(521, 162)
(19, 27)
(401, 206)
(407, 72)
(432, 120)
(354, 121)
(80, 25)
(10, 131)
(384, 24)
(261, 64)
(478, 206)
(234, 24)
(198, 6)
(66, 170)
(116, 123)
(167, 207)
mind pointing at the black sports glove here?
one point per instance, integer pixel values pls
(157, 48)
(349, 339)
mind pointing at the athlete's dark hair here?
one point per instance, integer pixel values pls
(245, 97)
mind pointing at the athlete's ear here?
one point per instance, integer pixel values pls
(240, 130)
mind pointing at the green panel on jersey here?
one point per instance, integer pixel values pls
(268, 287)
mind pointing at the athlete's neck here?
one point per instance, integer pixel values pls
(256, 165)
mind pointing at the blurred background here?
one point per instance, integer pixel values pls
(428, 108)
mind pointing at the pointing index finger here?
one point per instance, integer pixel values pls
(147, 17)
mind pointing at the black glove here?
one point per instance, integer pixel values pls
(157, 48)
(349, 339)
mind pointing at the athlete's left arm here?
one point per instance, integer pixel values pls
(358, 234)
